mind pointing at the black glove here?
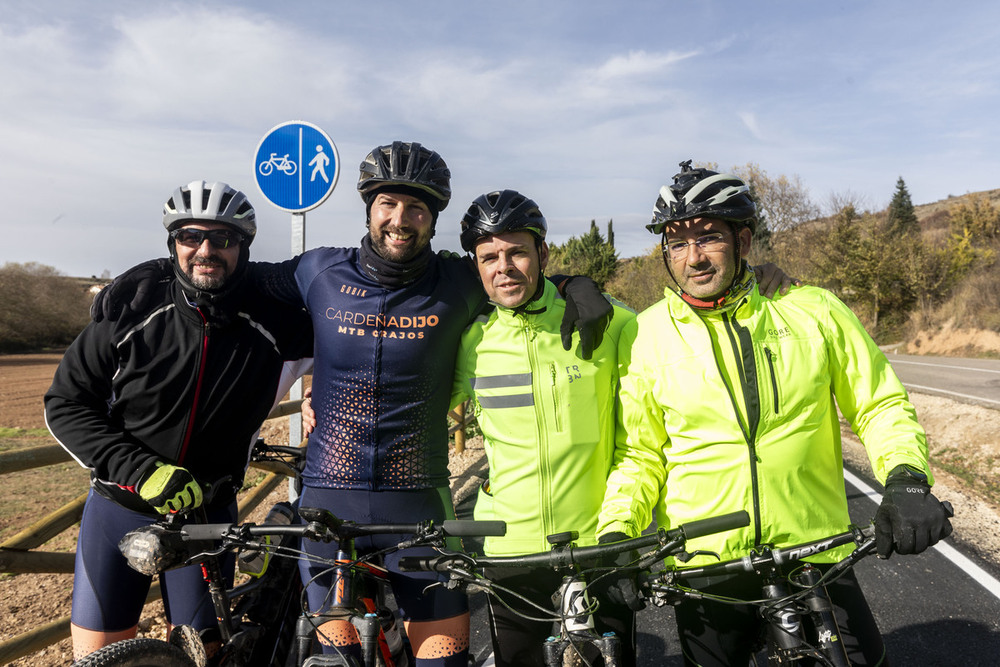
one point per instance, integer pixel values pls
(588, 311)
(910, 518)
(131, 291)
(620, 587)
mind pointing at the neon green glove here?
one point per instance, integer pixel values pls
(170, 489)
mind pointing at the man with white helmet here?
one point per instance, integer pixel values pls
(727, 404)
(146, 402)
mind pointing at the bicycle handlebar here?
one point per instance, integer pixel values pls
(669, 541)
(196, 532)
(863, 537)
(161, 546)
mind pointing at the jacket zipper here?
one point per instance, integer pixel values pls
(543, 463)
(197, 387)
(743, 352)
(771, 356)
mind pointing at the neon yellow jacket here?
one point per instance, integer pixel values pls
(702, 435)
(547, 418)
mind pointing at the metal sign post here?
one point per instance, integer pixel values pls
(296, 167)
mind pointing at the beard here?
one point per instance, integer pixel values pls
(208, 282)
(400, 254)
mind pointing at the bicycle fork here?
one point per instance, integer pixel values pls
(578, 628)
(785, 631)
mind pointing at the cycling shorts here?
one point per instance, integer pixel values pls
(108, 595)
(384, 507)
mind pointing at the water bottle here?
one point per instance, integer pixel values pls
(392, 637)
(254, 563)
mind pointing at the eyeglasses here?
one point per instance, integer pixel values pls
(707, 242)
(193, 238)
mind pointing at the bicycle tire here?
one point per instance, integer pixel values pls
(143, 652)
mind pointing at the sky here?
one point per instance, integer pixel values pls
(586, 107)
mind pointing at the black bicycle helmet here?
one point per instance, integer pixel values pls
(500, 212)
(407, 164)
(703, 193)
(210, 202)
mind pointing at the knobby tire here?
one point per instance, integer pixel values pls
(143, 652)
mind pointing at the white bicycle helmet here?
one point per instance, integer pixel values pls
(210, 202)
(702, 193)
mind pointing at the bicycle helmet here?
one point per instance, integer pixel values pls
(405, 164)
(501, 212)
(703, 193)
(211, 202)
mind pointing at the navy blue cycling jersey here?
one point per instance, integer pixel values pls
(384, 362)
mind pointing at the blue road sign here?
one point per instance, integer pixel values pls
(296, 166)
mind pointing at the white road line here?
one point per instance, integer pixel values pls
(935, 390)
(979, 575)
(958, 368)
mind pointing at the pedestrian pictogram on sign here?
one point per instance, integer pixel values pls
(296, 166)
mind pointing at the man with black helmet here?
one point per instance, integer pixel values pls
(727, 403)
(146, 402)
(547, 417)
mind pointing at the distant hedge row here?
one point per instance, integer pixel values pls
(39, 308)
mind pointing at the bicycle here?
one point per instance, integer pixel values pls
(572, 612)
(262, 622)
(796, 607)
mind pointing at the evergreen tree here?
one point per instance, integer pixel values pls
(590, 255)
(901, 216)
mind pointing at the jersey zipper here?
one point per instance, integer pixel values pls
(197, 387)
(376, 402)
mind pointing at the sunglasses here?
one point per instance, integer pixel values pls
(193, 238)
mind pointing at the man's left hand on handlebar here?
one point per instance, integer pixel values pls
(620, 587)
(169, 488)
(910, 519)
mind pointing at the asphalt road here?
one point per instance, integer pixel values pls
(969, 380)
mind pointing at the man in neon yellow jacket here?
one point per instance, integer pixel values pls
(546, 413)
(727, 403)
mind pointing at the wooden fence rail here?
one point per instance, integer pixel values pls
(18, 554)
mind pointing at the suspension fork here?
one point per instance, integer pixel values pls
(784, 623)
(822, 616)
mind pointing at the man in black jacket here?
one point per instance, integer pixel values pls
(163, 403)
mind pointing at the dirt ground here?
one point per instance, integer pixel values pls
(954, 429)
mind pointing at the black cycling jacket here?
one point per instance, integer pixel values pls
(168, 384)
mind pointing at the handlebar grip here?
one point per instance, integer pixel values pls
(424, 564)
(204, 531)
(716, 524)
(470, 528)
(948, 509)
